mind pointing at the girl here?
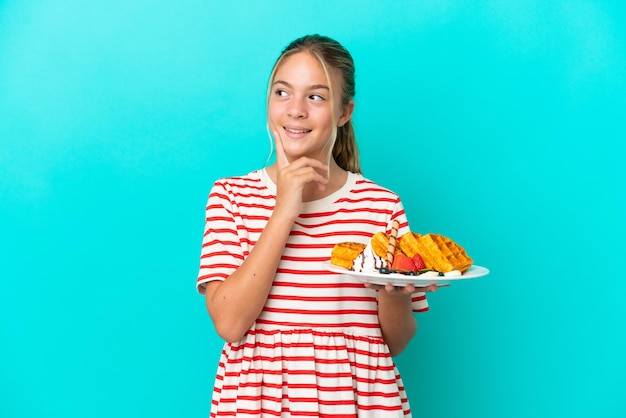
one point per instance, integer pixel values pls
(300, 340)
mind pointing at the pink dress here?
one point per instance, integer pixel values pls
(317, 349)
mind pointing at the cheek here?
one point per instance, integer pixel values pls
(272, 111)
(328, 119)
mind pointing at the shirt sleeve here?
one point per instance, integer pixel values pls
(221, 252)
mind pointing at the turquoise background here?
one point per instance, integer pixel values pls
(501, 124)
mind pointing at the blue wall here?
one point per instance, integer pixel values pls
(506, 119)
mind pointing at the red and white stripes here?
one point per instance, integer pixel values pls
(317, 348)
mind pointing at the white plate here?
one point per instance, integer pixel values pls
(398, 279)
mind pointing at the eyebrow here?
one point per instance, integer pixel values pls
(313, 87)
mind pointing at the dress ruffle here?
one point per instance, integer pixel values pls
(308, 373)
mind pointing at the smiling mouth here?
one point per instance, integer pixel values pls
(298, 131)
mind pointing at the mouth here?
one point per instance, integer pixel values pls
(297, 131)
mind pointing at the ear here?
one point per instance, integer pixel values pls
(346, 113)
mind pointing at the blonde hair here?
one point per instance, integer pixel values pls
(330, 53)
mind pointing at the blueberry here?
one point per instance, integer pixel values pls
(384, 270)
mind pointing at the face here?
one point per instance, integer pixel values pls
(300, 107)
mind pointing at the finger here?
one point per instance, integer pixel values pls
(281, 157)
(372, 286)
(431, 288)
(309, 170)
(409, 288)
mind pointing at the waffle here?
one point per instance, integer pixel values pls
(380, 242)
(438, 252)
(409, 243)
(344, 253)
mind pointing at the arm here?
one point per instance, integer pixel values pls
(235, 303)
(395, 314)
(397, 321)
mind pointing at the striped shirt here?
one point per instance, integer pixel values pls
(317, 346)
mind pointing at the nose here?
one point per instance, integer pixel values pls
(297, 109)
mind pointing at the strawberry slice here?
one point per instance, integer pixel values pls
(418, 263)
(402, 262)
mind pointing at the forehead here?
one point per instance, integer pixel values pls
(304, 68)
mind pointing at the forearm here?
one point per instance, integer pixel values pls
(397, 321)
(236, 303)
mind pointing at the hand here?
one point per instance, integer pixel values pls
(292, 177)
(406, 290)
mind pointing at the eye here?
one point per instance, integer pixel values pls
(317, 97)
(280, 93)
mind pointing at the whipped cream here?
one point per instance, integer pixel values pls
(368, 260)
